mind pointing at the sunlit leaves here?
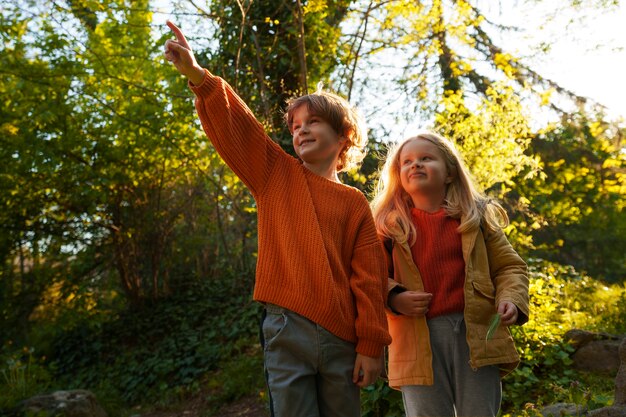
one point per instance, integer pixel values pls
(503, 61)
(579, 199)
(492, 136)
(316, 6)
(106, 162)
(562, 299)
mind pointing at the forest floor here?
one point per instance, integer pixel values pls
(244, 407)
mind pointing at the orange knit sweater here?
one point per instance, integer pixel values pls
(319, 254)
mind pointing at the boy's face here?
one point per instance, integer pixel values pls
(314, 140)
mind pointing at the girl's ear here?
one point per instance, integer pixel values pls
(452, 173)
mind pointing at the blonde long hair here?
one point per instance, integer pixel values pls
(392, 205)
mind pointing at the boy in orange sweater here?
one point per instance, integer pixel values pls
(321, 270)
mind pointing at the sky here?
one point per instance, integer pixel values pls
(587, 57)
(587, 54)
(588, 49)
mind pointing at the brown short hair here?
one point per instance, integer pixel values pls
(342, 117)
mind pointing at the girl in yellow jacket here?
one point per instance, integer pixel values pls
(455, 285)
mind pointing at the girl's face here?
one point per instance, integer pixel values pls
(423, 171)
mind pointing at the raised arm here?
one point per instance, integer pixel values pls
(179, 53)
(229, 124)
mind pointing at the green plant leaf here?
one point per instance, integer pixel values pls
(495, 322)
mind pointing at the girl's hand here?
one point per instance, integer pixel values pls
(179, 53)
(508, 313)
(411, 303)
(366, 370)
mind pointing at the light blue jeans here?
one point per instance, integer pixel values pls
(308, 369)
(458, 389)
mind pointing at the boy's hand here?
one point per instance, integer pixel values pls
(179, 53)
(508, 313)
(366, 370)
(411, 303)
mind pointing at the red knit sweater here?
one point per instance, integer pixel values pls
(319, 254)
(438, 255)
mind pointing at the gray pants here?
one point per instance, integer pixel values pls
(308, 369)
(458, 390)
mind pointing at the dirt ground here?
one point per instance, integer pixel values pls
(244, 407)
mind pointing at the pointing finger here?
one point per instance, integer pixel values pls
(180, 37)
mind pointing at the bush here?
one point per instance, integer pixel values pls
(166, 348)
(379, 400)
(22, 375)
(205, 341)
(561, 299)
(239, 376)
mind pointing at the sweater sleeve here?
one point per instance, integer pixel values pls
(235, 133)
(368, 283)
(509, 273)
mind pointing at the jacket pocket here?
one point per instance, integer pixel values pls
(486, 289)
(481, 308)
(403, 333)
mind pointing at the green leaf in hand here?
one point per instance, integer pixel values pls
(495, 322)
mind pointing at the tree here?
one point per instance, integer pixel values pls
(270, 51)
(574, 211)
(105, 168)
(32, 118)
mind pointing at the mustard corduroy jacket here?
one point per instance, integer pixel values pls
(493, 272)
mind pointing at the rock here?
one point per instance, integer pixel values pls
(595, 352)
(618, 409)
(597, 356)
(75, 403)
(614, 411)
(580, 337)
(577, 337)
(563, 409)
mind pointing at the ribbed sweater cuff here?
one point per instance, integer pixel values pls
(369, 348)
(208, 84)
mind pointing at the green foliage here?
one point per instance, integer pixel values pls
(574, 212)
(492, 138)
(106, 169)
(259, 50)
(166, 348)
(379, 400)
(22, 375)
(437, 48)
(561, 299)
(241, 374)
